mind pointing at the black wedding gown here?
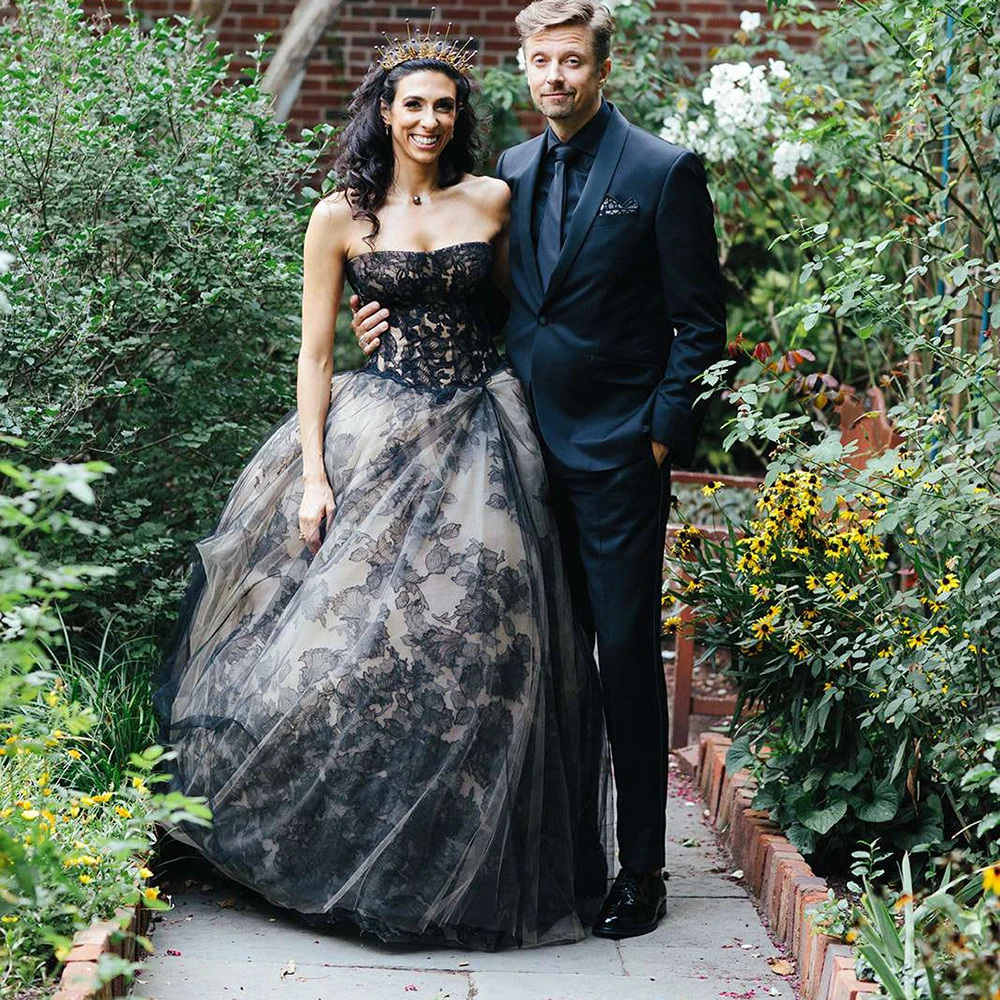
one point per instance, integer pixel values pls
(404, 730)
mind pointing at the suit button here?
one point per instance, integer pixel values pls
(543, 320)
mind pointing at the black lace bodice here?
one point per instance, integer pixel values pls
(438, 335)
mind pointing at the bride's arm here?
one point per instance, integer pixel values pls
(322, 287)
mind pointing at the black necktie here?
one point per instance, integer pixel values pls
(550, 231)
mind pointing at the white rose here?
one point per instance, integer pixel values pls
(749, 21)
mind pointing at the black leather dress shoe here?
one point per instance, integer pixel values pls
(633, 907)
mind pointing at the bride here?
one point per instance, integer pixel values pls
(379, 687)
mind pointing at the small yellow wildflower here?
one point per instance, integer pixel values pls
(75, 754)
(151, 892)
(10, 918)
(812, 583)
(144, 872)
(124, 812)
(991, 879)
(713, 488)
(949, 583)
(86, 879)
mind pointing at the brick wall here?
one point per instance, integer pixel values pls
(345, 52)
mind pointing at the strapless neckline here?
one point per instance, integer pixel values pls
(450, 246)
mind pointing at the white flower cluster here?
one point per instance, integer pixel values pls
(740, 95)
(739, 102)
(787, 156)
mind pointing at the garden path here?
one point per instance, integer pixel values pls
(222, 941)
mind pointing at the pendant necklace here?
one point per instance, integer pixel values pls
(416, 199)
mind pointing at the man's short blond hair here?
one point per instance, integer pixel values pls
(553, 13)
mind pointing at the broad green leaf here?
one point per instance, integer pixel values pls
(883, 806)
(823, 820)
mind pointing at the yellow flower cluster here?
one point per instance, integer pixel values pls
(793, 529)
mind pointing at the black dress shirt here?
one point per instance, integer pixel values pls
(586, 141)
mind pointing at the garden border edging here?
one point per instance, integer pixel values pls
(116, 936)
(784, 884)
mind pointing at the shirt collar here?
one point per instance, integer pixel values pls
(588, 139)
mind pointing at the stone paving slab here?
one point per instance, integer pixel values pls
(711, 946)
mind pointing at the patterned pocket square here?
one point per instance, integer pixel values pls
(612, 206)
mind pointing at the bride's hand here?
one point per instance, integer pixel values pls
(368, 322)
(316, 513)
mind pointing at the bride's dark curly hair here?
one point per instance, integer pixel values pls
(365, 163)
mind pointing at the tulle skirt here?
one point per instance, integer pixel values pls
(404, 730)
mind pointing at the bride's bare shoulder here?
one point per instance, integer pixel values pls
(491, 188)
(334, 208)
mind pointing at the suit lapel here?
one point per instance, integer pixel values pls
(522, 216)
(608, 154)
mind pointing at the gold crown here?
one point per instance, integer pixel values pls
(414, 46)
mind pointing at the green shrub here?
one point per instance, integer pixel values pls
(873, 699)
(848, 137)
(935, 945)
(69, 853)
(155, 214)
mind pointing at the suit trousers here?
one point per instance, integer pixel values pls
(612, 525)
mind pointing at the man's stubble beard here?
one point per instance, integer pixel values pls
(558, 114)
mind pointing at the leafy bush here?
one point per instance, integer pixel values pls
(887, 123)
(69, 852)
(871, 696)
(939, 945)
(868, 696)
(155, 214)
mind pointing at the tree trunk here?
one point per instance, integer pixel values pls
(305, 28)
(209, 12)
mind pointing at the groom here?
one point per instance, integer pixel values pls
(616, 306)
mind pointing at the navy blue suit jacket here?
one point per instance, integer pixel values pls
(634, 309)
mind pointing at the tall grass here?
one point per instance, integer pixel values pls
(116, 682)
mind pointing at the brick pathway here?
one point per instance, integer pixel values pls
(221, 941)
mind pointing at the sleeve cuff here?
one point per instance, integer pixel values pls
(678, 429)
